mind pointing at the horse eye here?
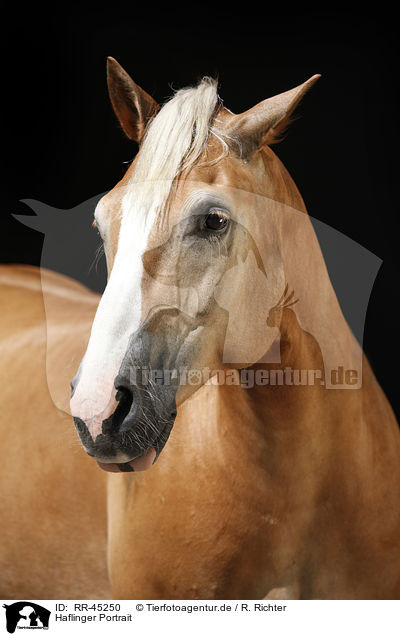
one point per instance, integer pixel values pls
(216, 221)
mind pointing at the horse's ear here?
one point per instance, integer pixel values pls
(263, 124)
(132, 105)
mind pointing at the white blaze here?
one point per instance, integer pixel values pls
(175, 139)
(117, 318)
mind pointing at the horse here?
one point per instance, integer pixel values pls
(234, 441)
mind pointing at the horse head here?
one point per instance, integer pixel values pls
(192, 255)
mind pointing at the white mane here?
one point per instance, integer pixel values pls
(173, 142)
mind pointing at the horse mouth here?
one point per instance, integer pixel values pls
(145, 458)
(143, 462)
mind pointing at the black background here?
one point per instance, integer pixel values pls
(61, 143)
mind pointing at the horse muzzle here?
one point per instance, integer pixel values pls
(132, 436)
(129, 430)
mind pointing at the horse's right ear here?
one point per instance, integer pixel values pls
(132, 105)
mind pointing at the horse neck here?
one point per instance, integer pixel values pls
(288, 419)
(317, 310)
(294, 431)
(306, 440)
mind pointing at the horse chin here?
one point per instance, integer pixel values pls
(144, 462)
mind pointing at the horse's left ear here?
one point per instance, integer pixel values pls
(132, 105)
(263, 124)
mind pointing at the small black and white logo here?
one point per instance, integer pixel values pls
(26, 615)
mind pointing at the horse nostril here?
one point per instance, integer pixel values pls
(124, 398)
